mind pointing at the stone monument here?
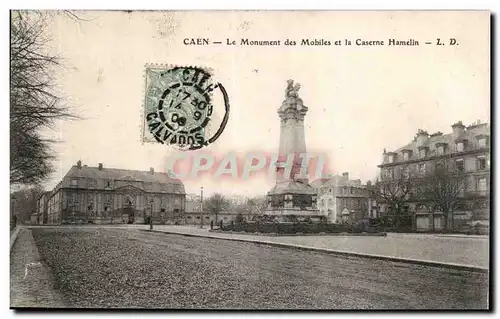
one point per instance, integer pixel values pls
(292, 198)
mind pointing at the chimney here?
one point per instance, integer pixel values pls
(151, 170)
(458, 129)
(79, 164)
(345, 175)
(422, 137)
(100, 166)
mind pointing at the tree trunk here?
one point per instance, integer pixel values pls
(445, 217)
(397, 221)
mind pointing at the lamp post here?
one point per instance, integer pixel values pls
(201, 206)
(151, 216)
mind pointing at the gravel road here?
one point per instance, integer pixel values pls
(131, 268)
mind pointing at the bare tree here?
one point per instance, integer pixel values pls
(443, 188)
(257, 204)
(394, 189)
(35, 103)
(216, 204)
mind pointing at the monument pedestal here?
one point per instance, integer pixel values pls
(292, 201)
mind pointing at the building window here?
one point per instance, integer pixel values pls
(421, 168)
(481, 184)
(107, 184)
(405, 172)
(389, 173)
(481, 162)
(189, 217)
(391, 158)
(197, 217)
(225, 218)
(162, 210)
(406, 156)
(329, 190)
(351, 190)
(74, 182)
(206, 217)
(440, 150)
(482, 142)
(423, 152)
(460, 146)
(459, 164)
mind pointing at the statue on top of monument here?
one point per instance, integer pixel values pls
(291, 90)
(292, 99)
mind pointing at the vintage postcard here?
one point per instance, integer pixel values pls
(253, 160)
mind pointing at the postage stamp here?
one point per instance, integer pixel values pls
(179, 108)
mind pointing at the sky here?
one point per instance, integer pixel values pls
(361, 99)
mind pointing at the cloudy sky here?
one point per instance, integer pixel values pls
(361, 99)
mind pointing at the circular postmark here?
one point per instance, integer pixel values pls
(179, 106)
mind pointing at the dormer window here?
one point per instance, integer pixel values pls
(391, 157)
(107, 184)
(482, 140)
(460, 146)
(74, 182)
(422, 152)
(441, 148)
(407, 154)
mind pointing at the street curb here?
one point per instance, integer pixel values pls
(380, 234)
(14, 236)
(339, 252)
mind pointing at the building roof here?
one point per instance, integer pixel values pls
(336, 181)
(126, 175)
(470, 133)
(319, 182)
(121, 174)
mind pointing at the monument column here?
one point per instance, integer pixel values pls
(292, 136)
(292, 194)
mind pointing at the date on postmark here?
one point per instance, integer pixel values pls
(180, 105)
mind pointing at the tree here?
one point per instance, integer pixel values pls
(256, 205)
(216, 204)
(443, 188)
(394, 190)
(35, 103)
(24, 202)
